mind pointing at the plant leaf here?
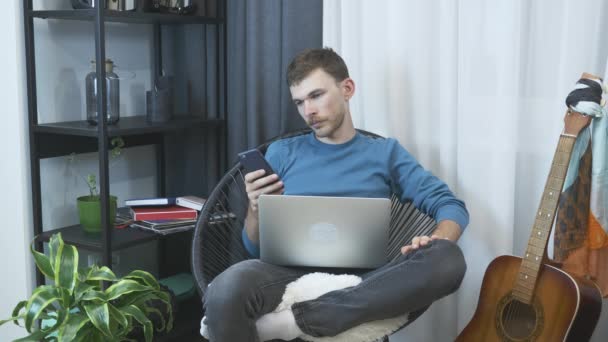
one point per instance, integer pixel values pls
(147, 278)
(54, 242)
(42, 297)
(103, 273)
(83, 273)
(84, 333)
(81, 289)
(13, 319)
(42, 262)
(100, 317)
(139, 316)
(140, 298)
(135, 298)
(156, 311)
(62, 316)
(118, 316)
(36, 336)
(69, 330)
(15, 314)
(94, 296)
(123, 287)
(66, 267)
(66, 297)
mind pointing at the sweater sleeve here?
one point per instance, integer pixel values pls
(273, 157)
(252, 248)
(411, 182)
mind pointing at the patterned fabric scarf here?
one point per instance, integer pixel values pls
(581, 239)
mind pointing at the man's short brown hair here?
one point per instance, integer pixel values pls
(309, 60)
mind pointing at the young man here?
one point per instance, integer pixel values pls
(335, 160)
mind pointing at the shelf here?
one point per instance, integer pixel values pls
(130, 125)
(121, 238)
(125, 17)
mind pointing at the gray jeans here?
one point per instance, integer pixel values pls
(247, 290)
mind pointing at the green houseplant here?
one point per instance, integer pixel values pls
(80, 309)
(89, 206)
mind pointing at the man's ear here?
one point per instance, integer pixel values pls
(348, 88)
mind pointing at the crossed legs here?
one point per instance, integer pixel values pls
(243, 293)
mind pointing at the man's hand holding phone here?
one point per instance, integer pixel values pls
(259, 179)
(258, 183)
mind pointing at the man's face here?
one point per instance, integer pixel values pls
(322, 102)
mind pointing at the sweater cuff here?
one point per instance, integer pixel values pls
(252, 248)
(454, 213)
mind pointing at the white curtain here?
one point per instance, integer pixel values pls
(475, 90)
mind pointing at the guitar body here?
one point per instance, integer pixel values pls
(563, 308)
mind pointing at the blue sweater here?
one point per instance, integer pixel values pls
(361, 167)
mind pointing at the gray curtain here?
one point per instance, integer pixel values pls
(263, 37)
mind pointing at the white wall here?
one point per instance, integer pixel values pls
(15, 232)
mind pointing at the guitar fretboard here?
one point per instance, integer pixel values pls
(533, 257)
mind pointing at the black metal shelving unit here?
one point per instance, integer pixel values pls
(62, 138)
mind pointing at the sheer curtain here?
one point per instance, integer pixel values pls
(474, 89)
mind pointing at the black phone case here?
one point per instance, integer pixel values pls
(253, 160)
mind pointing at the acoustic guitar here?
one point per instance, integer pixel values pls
(527, 299)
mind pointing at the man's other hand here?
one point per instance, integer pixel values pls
(446, 229)
(418, 242)
(257, 184)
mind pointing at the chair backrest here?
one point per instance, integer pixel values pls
(217, 240)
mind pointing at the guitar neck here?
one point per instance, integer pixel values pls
(533, 258)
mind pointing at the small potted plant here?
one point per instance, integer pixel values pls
(89, 206)
(78, 308)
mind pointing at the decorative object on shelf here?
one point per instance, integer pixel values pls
(78, 308)
(89, 206)
(112, 94)
(121, 5)
(159, 100)
(116, 5)
(83, 4)
(181, 284)
(170, 6)
(170, 212)
(147, 202)
(89, 212)
(192, 202)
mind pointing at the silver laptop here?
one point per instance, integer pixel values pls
(348, 232)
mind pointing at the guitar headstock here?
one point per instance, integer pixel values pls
(574, 122)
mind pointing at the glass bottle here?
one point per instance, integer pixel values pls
(112, 94)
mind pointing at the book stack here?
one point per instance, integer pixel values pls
(165, 215)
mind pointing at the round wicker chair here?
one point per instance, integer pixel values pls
(217, 237)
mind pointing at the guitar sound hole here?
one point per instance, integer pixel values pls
(518, 320)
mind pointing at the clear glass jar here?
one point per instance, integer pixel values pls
(112, 94)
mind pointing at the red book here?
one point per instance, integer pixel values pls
(172, 212)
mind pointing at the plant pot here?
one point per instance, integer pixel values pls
(89, 212)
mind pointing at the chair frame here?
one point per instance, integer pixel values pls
(217, 237)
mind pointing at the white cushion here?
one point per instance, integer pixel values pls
(313, 285)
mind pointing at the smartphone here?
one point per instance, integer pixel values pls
(253, 160)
